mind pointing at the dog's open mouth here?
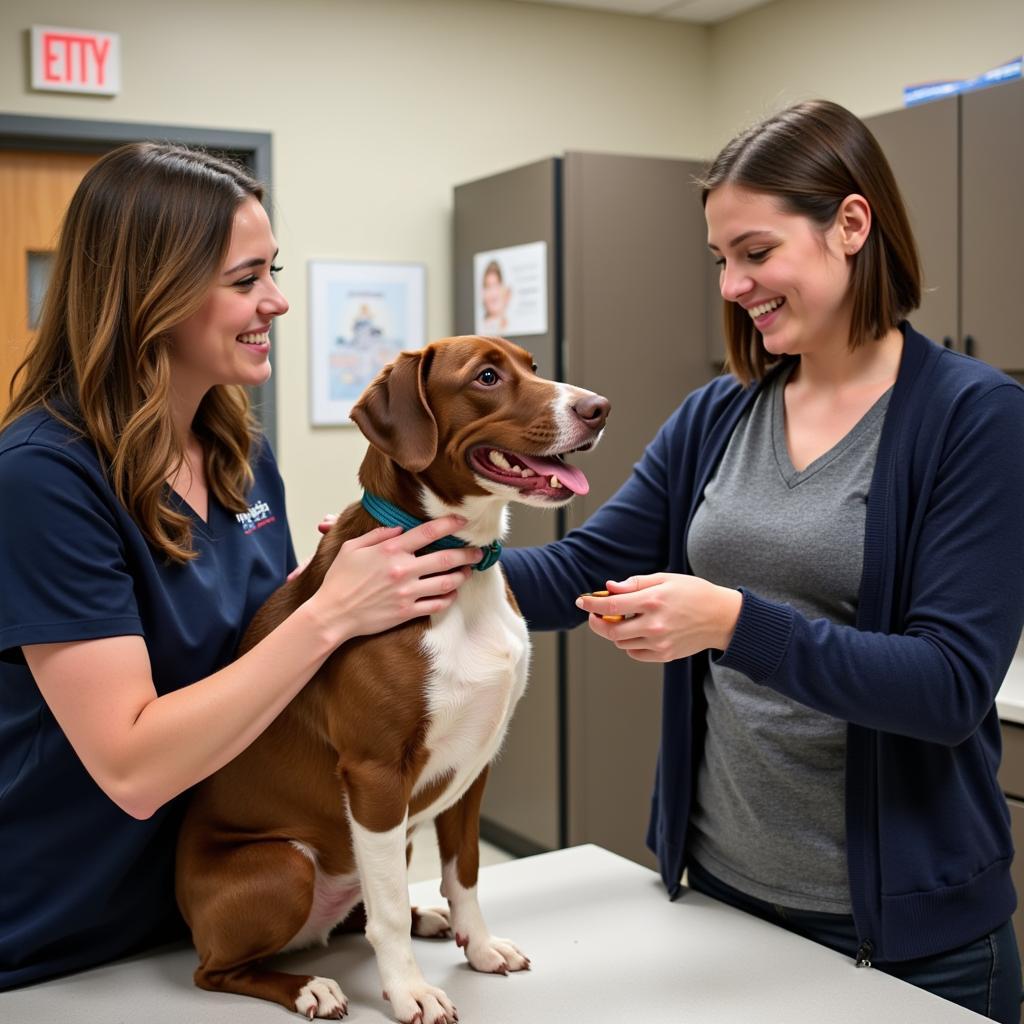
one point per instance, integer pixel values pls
(542, 475)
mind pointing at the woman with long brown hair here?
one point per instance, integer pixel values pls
(142, 525)
(824, 548)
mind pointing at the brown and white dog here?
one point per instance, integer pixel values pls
(284, 843)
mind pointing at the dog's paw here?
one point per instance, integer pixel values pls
(431, 922)
(321, 999)
(493, 955)
(421, 1003)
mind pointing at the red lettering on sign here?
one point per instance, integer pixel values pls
(71, 44)
(50, 57)
(65, 58)
(100, 50)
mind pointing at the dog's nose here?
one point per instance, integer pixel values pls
(593, 410)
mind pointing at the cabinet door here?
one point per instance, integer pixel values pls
(1011, 767)
(993, 224)
(1011, 778)
(921, 144)
(635, 291)
(714, 315)
(1017, 870)
(522, 809)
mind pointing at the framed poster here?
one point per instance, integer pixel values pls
(510, 290)
(361, 316)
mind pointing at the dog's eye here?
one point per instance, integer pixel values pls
(489, 377)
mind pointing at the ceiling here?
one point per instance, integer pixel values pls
(700, 12)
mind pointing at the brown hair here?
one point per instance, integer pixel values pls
(812, 156)
(141, 242)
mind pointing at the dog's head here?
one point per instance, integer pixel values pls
(469, 416)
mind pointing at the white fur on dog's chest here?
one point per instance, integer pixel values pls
(478, 652)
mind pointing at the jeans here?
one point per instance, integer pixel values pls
(983, 976)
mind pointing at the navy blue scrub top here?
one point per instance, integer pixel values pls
(80, 880)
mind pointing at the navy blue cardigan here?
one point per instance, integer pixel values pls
(940, 611)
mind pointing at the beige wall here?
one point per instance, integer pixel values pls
(379, 107)
(860, 53)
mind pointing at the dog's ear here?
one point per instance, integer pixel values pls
(394, 415)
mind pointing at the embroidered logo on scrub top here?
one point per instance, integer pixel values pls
(255, 517)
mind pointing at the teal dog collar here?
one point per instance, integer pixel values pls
(387, 513)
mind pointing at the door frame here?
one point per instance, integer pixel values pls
(79, 135)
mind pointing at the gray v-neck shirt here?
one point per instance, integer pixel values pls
(769, 813)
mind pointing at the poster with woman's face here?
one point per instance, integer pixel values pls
(510, 290)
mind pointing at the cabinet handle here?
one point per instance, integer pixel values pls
(948, 342)
(969, 345)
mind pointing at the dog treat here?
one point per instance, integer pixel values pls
(607, 618)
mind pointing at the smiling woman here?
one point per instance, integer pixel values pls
(823, 547)
(147, 231)
(227, 340)
(147, 527)
(830, 197)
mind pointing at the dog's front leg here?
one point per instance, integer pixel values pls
(458, 840)
(378, 813)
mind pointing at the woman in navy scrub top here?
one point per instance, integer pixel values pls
(142, 525)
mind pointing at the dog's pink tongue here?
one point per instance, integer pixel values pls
(569, 476)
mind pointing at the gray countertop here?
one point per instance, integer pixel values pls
(605, 943)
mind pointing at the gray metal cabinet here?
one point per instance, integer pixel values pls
(922, 145)
(714, 314)
(992, 265)
(959, 163)
(523, 802)
(1011, 778)
(635, 259)
(627, 275)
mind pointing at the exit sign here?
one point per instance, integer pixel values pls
(76, 60)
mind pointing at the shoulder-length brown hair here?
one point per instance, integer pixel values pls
(146, 232)
(812, 156)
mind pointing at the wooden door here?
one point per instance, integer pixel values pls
(35, 189)
(993, 223)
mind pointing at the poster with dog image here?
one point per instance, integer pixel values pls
(362, 315)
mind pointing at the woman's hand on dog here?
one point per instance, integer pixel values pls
(376, 581)
(665, 615)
